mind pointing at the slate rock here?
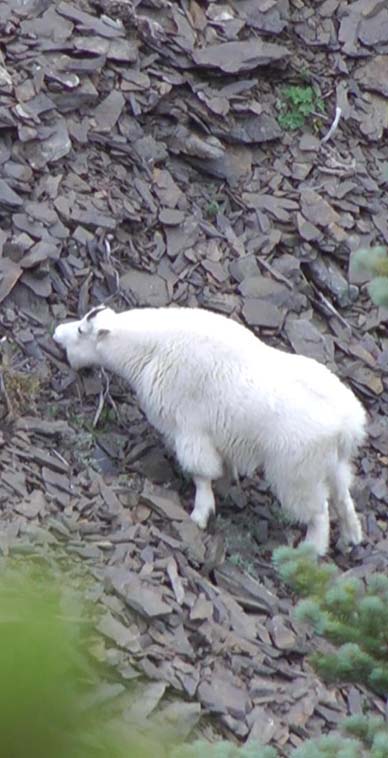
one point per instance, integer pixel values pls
(150, 150)
(268, 17)
(108, 111)
(147, 289)
(374, 29)
(283, 637)
(178, 718)
(252, 594)
(307, 230)
(261, 127)
(147, 698)
(6, 83)
(136, 593)
(233, 57)
(329, 278)
(165, 503)
(263, 726)
(54, 144)
(32, 504)
(83, 19)
(45, 427)
(307, 340)
(171, 216)
(199, 146)
(221, 696)
(10, 274)
(122, 635)
(244, 267)
(316, 209)
(9, 199)
(263, 287)
(258, 312)
(373, 74)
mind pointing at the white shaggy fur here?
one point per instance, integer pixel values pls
(225, 401)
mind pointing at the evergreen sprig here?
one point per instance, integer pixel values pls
(360, 736)
(351, 614)
(301, 571)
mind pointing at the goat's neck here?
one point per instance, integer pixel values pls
(127, 357)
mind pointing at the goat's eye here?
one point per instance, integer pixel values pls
(79, 330)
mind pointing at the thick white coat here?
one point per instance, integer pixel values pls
(225, 401)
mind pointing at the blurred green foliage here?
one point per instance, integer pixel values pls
(374, 261)
(47, 679)
(362, 736)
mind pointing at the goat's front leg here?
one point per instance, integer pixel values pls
(342, 504)
(198, 456)
(204, 503)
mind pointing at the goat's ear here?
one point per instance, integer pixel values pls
(102, 333)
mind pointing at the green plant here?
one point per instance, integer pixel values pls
(351, 614)
(48, 680)
(81, 421)
(53, 410)
(361, 736)
(330, 746)
(296, 104)
(300, 569)
(107, 417)
(236, 559)
(222, 749)
(374, 261)
(212, 209)
(19, 388)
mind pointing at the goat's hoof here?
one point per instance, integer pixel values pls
(319, 548)
(351, 536)
(200, 519)
(355, 536)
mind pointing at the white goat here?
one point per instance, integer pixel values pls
(225, 401)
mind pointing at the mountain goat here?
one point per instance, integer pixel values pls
(225, 401)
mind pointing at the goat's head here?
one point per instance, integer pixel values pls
(80, 339)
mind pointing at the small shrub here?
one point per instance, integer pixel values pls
(330, 746)
(296, 104)
(361, 736)
(19, 388)
(374, 261)
(212, 209)
(350, 614)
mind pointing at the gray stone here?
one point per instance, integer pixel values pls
(148, 289)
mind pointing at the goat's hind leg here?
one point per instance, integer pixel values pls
(342, 503)
(318, 529)
(309, 503)
(204, 503)
(197, 455)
